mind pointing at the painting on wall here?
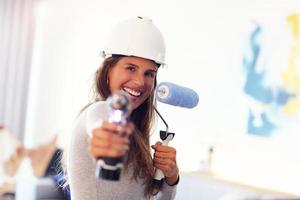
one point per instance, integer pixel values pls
(271, 66)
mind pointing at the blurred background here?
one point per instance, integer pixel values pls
(241, 57)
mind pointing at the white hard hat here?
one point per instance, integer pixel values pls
(136, 37)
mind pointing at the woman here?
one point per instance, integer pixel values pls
(133, 56)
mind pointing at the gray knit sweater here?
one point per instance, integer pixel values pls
(81, 167)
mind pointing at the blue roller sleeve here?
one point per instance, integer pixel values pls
(176, 95)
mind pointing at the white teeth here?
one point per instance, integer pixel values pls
(132, 92)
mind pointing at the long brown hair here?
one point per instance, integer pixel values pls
(143, 117)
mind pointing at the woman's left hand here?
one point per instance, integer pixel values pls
(165, 160)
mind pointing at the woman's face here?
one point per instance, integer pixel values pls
(136, 76)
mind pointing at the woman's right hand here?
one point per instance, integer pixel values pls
(110, 140)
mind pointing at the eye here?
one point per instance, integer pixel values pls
(130, 68)
(150, 74)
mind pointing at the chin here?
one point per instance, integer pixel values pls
(134, 106)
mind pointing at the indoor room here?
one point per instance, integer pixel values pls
(233, 71)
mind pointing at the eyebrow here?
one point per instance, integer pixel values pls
(152, 70)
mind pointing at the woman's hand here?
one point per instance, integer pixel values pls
(165, 160)
(110, 140)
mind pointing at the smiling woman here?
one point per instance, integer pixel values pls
(132, 71)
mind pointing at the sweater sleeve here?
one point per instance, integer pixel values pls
(167, 192)
(82, 184)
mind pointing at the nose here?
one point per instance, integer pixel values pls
(139, 80)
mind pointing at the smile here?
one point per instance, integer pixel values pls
(132, 92)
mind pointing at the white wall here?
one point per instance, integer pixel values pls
(205, 44)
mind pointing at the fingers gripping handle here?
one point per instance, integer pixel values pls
(159, 175)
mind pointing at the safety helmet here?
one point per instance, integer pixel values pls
(136, 37)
